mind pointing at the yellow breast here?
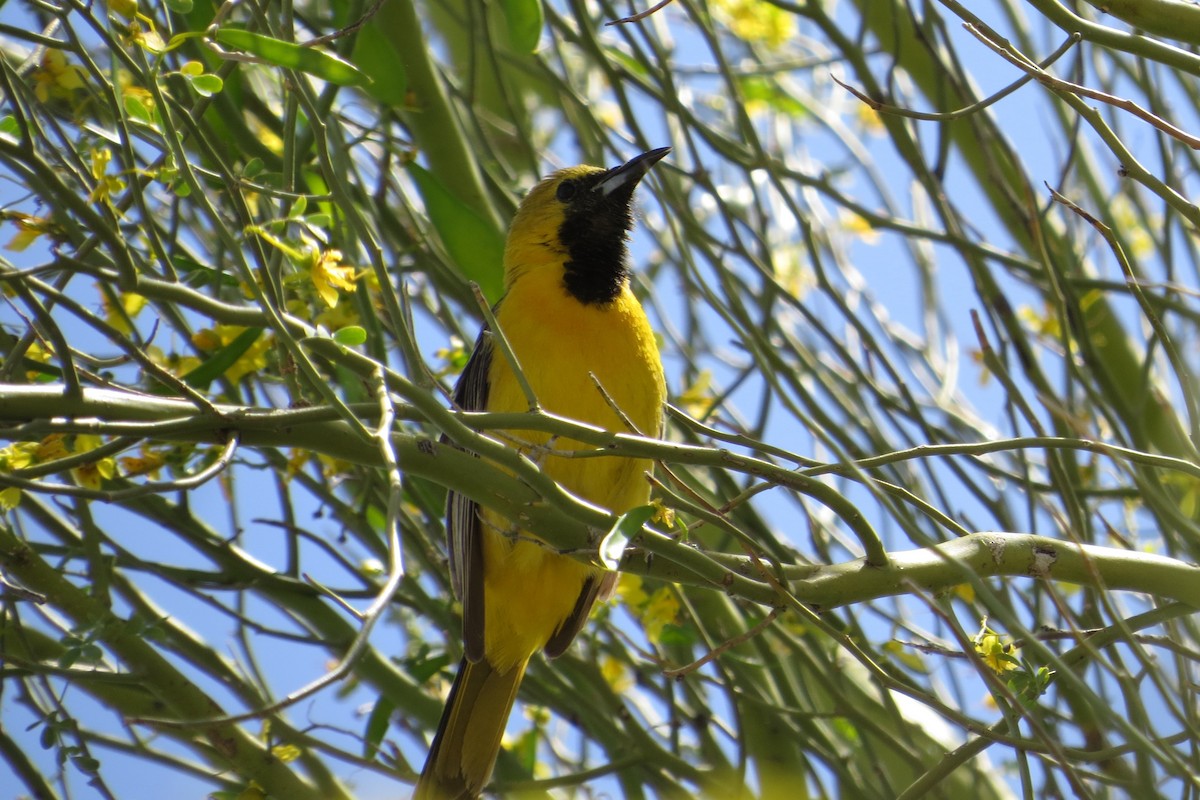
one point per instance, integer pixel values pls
(558, 342)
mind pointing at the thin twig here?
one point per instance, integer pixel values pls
(641, 15)
(11, 590)
(113, 495)
(724, 646)
(608, 399)
(1182, 371)
(346, 31)
(1023, 63)
(387, 415)
(500, 341)
(944, 116)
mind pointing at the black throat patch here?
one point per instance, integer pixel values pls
(594, 233)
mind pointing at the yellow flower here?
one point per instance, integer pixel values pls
(139, 103)
(297, 459)
(338, 316)
(661, 610)
(52, 448)
(455, 355)
(538, 715)
(998, 655)
(266, 136)
(697, 400)
(39, 353)
(92, 474)
(55, 78)
(630, 591)
(1046, 322)
(616, 674)
(131, 305)
(18, 455)
(332, 467)
(1132, 225)
(29, 229)
(869, 119)
(146, 37)
(254, 359)
(662, 515)
(286, 752)
(106, 185)
(859, 226)
(148, 463)
(792, 271)
(126, 8)
(329, 274)
(756, 21)
(9, 498)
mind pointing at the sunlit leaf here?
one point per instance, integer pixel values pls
(377, 726)
(472, 241)
(310, 60)
(525, 19)
(207, 85)
(376, 56)
(351, 335)
(217, 364)
(613, 545)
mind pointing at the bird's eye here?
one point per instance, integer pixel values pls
(566, 190)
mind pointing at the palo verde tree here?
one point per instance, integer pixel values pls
(926, 286)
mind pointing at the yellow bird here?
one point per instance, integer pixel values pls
(572, 321)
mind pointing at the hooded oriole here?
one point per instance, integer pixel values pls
(574, 326)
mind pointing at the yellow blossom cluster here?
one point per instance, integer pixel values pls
(656, 610)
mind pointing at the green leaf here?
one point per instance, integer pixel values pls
(298, 207)
(45, 373)
(756, 88)
(137, 110)
(86, 764)
(524, 18)
(676, 636)
(526, 747)
(376, 55)
(289, 55)
(423, 669)
(10, 126)
(613, 545)
(49, 737)
(223, 359)
(68, 657)
(377, 725)
(472, 241)
(207, 85)
(350, 335)
(180, 6)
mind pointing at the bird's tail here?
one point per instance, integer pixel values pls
(468, 737)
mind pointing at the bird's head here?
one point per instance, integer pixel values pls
(576, 221)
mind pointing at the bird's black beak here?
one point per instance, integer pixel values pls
(628, 174)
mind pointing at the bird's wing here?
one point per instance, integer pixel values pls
(596, 587)
(464, 539)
